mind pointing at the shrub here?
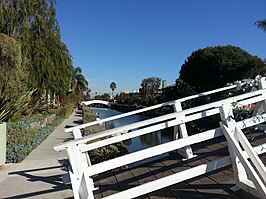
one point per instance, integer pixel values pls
(108, 152)
(93, 129)
(22, 138)
(88, 116)
(65, 111)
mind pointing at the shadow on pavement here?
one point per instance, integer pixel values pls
(54, 180)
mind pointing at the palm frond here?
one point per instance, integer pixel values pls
(261, 24)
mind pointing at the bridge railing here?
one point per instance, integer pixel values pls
(170, 103)
(180, 131)
(82, 171)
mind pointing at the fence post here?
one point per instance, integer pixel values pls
(260, 105)
(77, 134)
(2, 143)
(226, 114)
(82, 184)
(180, 131)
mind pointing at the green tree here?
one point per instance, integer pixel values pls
(214, 67)
(113, 87)
(150, 86)
(79, 83)
(34, 25)
(105, 97)
(12, 73)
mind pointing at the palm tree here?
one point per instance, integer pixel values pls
(79, 83)
(113, 87)
(261, 24)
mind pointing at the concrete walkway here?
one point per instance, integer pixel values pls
(39, 175)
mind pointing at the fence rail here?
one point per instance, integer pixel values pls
(81, 171)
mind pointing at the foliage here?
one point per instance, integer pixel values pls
(150, 86)
(10, 52)
(88, 116)
(15, 98)
(65, 111)
(44, 56)
(106, 152)
(105, 97)
(79, 84)
(179, 90)
(261, 24)
(71, 98)
(214, 67)
(129, 98)
(93, 129)
(22, 138)
(12, 74)
(113, 87)
(12, 110)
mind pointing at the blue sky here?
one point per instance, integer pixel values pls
(126, 41)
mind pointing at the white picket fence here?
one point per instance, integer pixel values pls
(249, 177)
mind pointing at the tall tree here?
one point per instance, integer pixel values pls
(79, 83)
(214, 67)
(113, 87)
(150, 86)
(34, 25)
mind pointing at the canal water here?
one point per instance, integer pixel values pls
(137, 143)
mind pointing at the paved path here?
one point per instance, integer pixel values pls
(39, 175)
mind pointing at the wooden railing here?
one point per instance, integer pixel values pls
(81, 170)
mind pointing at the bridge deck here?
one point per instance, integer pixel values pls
(213, 185)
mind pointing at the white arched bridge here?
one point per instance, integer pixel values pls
(87, 103)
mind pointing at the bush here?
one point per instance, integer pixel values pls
(65, 111)
(88, 116)
(22, 138)
(108, 152)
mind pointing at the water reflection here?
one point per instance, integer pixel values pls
(150, 139)
(137, 143)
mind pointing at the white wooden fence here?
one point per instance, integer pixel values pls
(249, 177)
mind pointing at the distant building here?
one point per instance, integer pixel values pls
(163, 84)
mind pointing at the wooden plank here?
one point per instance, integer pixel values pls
(174, 164)
(206, 186)
(150, 152)
(226, 179)
(126, 180)
(185, 191)
(143, 175)
(159, 170)
(210, 189)
(170, 180)
(108, 184)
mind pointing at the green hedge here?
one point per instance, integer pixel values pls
(89, 116)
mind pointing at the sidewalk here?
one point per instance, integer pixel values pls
(39, 175)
